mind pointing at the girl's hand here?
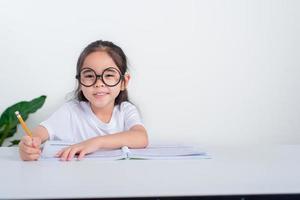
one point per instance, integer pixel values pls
(29, 148)
(81, 148)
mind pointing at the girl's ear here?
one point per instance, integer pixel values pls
(125, 81)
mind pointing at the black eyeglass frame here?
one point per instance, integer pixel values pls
(99, 76)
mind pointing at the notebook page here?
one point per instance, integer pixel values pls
(168, 152)
(107, 154)
(52, 147)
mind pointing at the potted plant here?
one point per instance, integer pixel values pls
(9, 121)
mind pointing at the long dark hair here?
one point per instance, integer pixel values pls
(118, 56)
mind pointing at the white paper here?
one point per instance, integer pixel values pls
(168, 152)
(157, 152)
(52, 147)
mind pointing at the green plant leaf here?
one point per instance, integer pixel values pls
(14, 142)
(9, 121)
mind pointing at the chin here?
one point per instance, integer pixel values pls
(100, 104)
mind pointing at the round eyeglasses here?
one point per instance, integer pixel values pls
(110, 77)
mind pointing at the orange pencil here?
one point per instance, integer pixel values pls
(24, 126)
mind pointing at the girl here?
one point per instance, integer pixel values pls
(101, 116)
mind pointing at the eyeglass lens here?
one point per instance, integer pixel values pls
(110, 77)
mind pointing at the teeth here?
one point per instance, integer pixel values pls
(100, 93)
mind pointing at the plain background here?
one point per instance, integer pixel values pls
(208, 72)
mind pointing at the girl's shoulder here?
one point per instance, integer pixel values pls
(71, 104)
(74, 105)
(126, 105)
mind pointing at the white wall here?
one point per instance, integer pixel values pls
(202, 71)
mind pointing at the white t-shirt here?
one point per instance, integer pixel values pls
(75, 121)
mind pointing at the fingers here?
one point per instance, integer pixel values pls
(72, 153)
(68, 154)
(64, 154)
(27, 151)
(30, 150)
(58, 154)
(36, 142)
(30, 157)
(27, 140)
(82, 154)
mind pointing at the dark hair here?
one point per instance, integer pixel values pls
(118, 56)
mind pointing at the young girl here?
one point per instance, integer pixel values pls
(101, 116)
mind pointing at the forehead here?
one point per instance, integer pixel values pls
(99, 61)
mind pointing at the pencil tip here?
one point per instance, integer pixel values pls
(17, 113)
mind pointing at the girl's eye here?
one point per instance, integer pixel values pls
(109, 75)
(89, 76)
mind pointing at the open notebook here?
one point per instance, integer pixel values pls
(153, 152)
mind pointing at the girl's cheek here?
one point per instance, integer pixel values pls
(86, 93)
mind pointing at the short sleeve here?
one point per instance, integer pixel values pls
(131, 115)
(57, 124)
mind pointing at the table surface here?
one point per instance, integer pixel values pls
(232, 170)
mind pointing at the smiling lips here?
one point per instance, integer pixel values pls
(100, 94)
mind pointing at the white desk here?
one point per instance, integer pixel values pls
(231, 171)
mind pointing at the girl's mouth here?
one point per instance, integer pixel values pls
(100, 93)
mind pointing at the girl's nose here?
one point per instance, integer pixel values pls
(99, 83)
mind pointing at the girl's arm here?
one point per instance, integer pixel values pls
(29, 148)
(136, 137)
(41, 132)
